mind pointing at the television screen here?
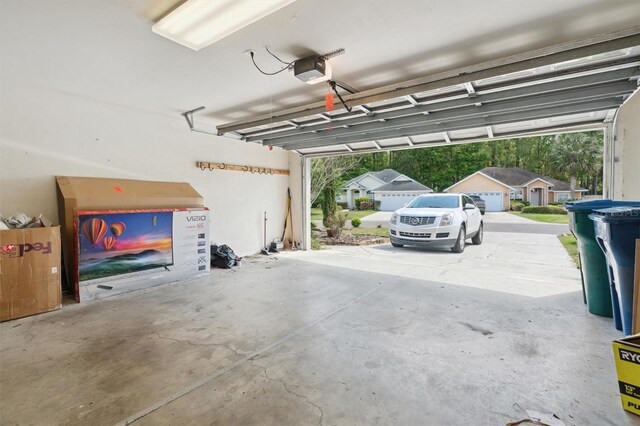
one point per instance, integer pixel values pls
(119, 243)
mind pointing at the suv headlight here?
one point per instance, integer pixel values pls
(446, 219)
(394, 219)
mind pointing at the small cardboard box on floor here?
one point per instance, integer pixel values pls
(626, 353)
(29, 272)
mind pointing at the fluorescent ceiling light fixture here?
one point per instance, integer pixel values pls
(199, 23)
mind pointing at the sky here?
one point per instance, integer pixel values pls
(140, 234)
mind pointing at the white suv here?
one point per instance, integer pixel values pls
(437, 220)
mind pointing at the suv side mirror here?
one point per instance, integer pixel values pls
(469, 206)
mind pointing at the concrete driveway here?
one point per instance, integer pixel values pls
(507, 222)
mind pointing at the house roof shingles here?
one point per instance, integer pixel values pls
(514, 176)
(403, 185)
(386, 175)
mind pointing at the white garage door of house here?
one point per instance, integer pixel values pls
(392, 202)
(492, 200)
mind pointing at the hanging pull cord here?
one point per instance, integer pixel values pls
(335, 90)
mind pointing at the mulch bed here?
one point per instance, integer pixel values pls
(352, 240)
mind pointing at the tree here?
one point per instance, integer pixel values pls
(577, 156)
(328, 170)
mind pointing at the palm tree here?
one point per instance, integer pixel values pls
(575, 155)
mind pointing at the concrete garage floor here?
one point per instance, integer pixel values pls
(370, 335)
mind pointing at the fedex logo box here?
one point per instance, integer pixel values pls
(29, 271)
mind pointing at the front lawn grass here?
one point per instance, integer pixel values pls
(382, 232)
(544, 217)
(316, 214)
(570, 244)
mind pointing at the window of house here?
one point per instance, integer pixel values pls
(515, 194)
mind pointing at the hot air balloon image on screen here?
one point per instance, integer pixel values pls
(94, 229)
(117, 228)
(137, 241)
(108, 243)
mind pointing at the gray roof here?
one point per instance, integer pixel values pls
(403, 185)
(386, 175)
(514, 176)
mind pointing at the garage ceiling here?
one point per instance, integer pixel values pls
(104, 51)
(576, 85)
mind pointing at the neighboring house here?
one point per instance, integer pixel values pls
(391, 188)
(499, 185)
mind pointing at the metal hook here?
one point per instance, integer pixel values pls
(222, 166)
(210, 167)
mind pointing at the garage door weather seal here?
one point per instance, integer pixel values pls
(253, 355)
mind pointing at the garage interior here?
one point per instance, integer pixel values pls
(349, 335)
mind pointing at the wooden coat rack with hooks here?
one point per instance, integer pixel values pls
(207, 165)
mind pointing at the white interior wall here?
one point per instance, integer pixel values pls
(626, 152)
(44, 133)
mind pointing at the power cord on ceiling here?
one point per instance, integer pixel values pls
(274, 55)
(288, 64)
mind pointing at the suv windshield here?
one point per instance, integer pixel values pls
(447, 202)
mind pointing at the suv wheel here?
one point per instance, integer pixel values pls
(477, 239)
(458, 247)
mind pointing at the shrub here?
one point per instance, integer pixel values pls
(544, 210)
(366, 205)
(360, 200)
(313, 225)
(526, 203)
(335, 224)
(355, 222)
(328, 203)
(377, 203)
(517, 207)
(343, 206)
(315, 244)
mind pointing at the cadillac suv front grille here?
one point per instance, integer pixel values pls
(415, 234)
(417, 220)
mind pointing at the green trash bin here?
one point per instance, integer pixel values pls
(593, 265)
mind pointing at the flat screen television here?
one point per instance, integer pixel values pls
(112, 244)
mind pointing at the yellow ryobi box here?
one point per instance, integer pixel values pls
(626, 352)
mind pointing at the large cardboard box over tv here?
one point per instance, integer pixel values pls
(87, 193)
(29, 271)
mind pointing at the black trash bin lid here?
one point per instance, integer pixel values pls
(620, 214)
(589, 205)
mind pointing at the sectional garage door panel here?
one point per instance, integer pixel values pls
(493, 200)
(393, 202)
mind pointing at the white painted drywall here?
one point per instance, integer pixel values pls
(626, 167)
(44, 133)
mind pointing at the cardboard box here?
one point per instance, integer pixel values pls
(29, 272)
(87, 193)
(626, 353)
